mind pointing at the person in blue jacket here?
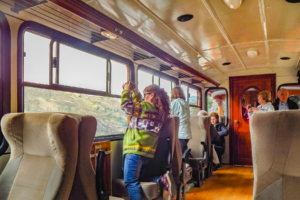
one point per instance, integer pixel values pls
(181, 108)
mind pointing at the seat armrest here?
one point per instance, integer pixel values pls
(101, 193)
(185, 156)
(169, 164)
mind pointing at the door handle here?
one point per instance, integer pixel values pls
(236, 121)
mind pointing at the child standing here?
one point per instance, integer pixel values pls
(141, 136)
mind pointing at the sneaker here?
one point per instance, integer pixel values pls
(190, 187)
(168, 183)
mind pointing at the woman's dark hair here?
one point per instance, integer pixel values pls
(160, 100)
(177, 92)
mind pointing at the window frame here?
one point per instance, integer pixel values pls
(205, 96)
(199, 90)
(5, 75)
(62, 38)
(286, 84)
(157, 73)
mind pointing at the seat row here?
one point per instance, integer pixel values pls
(50, 159)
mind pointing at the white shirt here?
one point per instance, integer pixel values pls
(283, 106)
(267, 107)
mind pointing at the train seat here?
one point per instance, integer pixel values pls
(200, 127)
(168, 156)
(221, 148)
(275, 139)
(44, 149)
(84, 186)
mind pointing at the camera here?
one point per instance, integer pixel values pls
(131, 87)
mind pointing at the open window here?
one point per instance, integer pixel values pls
(193, 95)
(65, 74)
(216, 100)
(148, 76)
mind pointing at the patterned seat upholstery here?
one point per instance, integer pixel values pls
(275, 139)
(44, 149)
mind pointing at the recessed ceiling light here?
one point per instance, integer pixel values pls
(285, 58)
(227, 63)
(185, 18)
(252, 53)
(293, 1)
(108, 34)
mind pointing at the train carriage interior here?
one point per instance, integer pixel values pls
(64, 65)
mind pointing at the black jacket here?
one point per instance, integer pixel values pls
(222, 130)
(291, 104)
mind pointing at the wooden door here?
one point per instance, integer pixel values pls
(240, 142)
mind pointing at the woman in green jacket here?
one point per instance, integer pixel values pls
(141, 137)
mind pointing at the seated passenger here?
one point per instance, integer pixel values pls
(141, 137)
(222, 131)
(283, 102)
(264, 99)
(214, 135)
(181, 108)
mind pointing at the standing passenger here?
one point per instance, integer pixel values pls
(141, 137)
(181, 108)
(283, 102)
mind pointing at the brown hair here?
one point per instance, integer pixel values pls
(266, 95)
(177, 92)
(160, 100)
(214, 114)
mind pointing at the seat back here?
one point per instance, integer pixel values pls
(44, 148)
(222, 119)
(157, 166)
(84, 186)
(275, 139)
(200, 127)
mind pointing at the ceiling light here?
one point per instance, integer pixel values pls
(233, 4)
(226, 63)
(206, 67)
(293, 1)
(185, 18)
(252, 53)
(108, 34)
(285, 58)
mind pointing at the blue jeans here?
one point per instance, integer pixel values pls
(133, 165)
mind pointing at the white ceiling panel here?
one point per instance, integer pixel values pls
(260, 60)
(222, 55)
(283, 19)
(242, 24)
(280, 49)
(201, 32)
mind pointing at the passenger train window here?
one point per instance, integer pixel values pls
(118, 76)
(192, 96)
(147, 76)
(293, 90)
(166, 85)
(79, 83)
(80, 69)
(217, 101)
(144, 79)
(36, 58)
(110, 118)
